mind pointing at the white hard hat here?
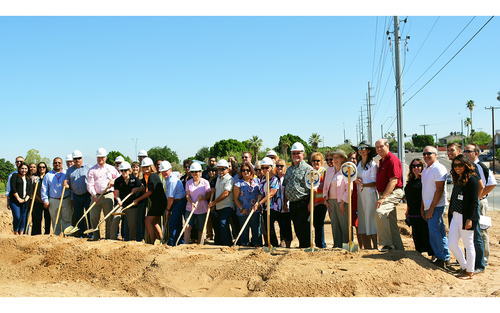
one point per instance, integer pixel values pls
(77, 154)
(146, 162)
(69, 157)
(223, 163)
(271, 152)
(195, 167)
(119, 159)
(142, 153)
(266, 162)
(164, 166)
(298, 147)
(125, 166)
(101, 152)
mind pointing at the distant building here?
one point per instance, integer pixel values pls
(497, 141)
(450, 138)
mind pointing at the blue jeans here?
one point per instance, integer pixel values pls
(220, 222)
(254, 224)
(19, 214)
(175, 222)
(479, 247)
(437, 234)
(80, 205)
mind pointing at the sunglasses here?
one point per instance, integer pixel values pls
(362, 148)
(41, 167)
(316, 161)
(195, 171)
(246, 170)
(296, 153)
(265, 167)
(329, 159)
(258, 169)
(221, 169)
(123, 171)
(468, 151)
(57, 163)
(461, 165)
(280, 166)
(427, 153)
(416, 165)
(75, 159)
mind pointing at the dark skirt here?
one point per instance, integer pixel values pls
(420, 233)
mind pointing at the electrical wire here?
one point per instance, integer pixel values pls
(423, 43)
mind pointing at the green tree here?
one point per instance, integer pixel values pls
(221, 148)
(498, 98)
(254, 144)
(291, 139)
(5, 169)
(314, 141)
(112, 155)
(482, 138)
(284, 145)
(468, 124)
(164, 153)
(203, 154)
(33, 156)
(470, 105)
(422, 141)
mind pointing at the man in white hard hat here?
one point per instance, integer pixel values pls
(176, 202)
(100, 181)
(141, 155)
(119, 159)
(222, 206)
(273, 156)
(69, 160)
(298, 194)
(76, 182)
(51, 193)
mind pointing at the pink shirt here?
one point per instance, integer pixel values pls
(195, 191)
(99, 177)
(338, 180)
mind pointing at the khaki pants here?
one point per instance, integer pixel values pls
(64, 217)
(483, 207)
(387, 221)
(105, 205)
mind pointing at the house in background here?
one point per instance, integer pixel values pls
(450, 138)
(497, 141)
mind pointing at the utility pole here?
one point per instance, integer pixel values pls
(343, 127)
(399, 96)
(424, 127)
(361, 126)
(370, 130)
(493, 132)
(462, 129)
(135, 140)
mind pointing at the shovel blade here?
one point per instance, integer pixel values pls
(88, 231)
(351, 247)
(312, 249)
(267, 249)
(70, 229)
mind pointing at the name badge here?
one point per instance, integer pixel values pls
(59, 185)
(460, 197)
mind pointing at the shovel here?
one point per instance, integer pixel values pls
(311, 216)
(203, 233)
(242, 228)
(269, 248)
(59, 210)
(88, 231)
(193, 207)
(31, 209)
(351, 246)
(73, 229)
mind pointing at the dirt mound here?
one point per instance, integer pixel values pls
(58, 266)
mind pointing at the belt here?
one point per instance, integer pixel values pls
(175, 200)
(483, 197)
(104, 194)
(58, 198)
(83, 194)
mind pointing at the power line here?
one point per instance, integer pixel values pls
(449, 61)
(423, 43)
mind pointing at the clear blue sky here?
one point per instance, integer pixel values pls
(76, 82)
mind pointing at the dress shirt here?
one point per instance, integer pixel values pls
(77, 179)
(7, 187)
(99, 177)
(52, 185)
(491, 178)
(173, 188)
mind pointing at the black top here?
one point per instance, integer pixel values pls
(17, 186)
(158, 198)
(413, 192)
(125, 189)
(464, 200)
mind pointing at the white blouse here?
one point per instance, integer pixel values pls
(368, 175)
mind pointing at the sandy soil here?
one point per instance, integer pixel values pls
(53, 266)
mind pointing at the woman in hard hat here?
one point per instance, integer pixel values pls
(367, 195)
(124, 185)
(198, 193)
(246, 192)
(158, 201)
(317, 161)
(284, 220)
(275, 197)
(336, 196)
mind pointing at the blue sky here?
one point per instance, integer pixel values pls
(77, 82)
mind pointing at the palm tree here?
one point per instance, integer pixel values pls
(468, 124)
(285, 143)
(498, 98)
(314, 140)
(470, 105)
(255, 143)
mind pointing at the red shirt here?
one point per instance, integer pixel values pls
(388, 168)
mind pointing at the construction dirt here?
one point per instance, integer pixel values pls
(54, 266)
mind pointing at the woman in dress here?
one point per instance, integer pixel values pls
(336, 196)
(367, 195)
(198, 193)
(158, 201)
(246, 193)
(320, 209)
(413, 194)
(465, 205)
(21, 190)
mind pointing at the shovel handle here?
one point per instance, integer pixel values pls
(203, 233)
(185, 224)
(243, 228)
(59, 210)
(31, 208)
(268, 213)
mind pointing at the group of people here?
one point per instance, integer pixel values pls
(427, 199)
(153, 203)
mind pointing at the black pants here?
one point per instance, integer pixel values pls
(38, 212)
(274, 218)
(300, 215)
